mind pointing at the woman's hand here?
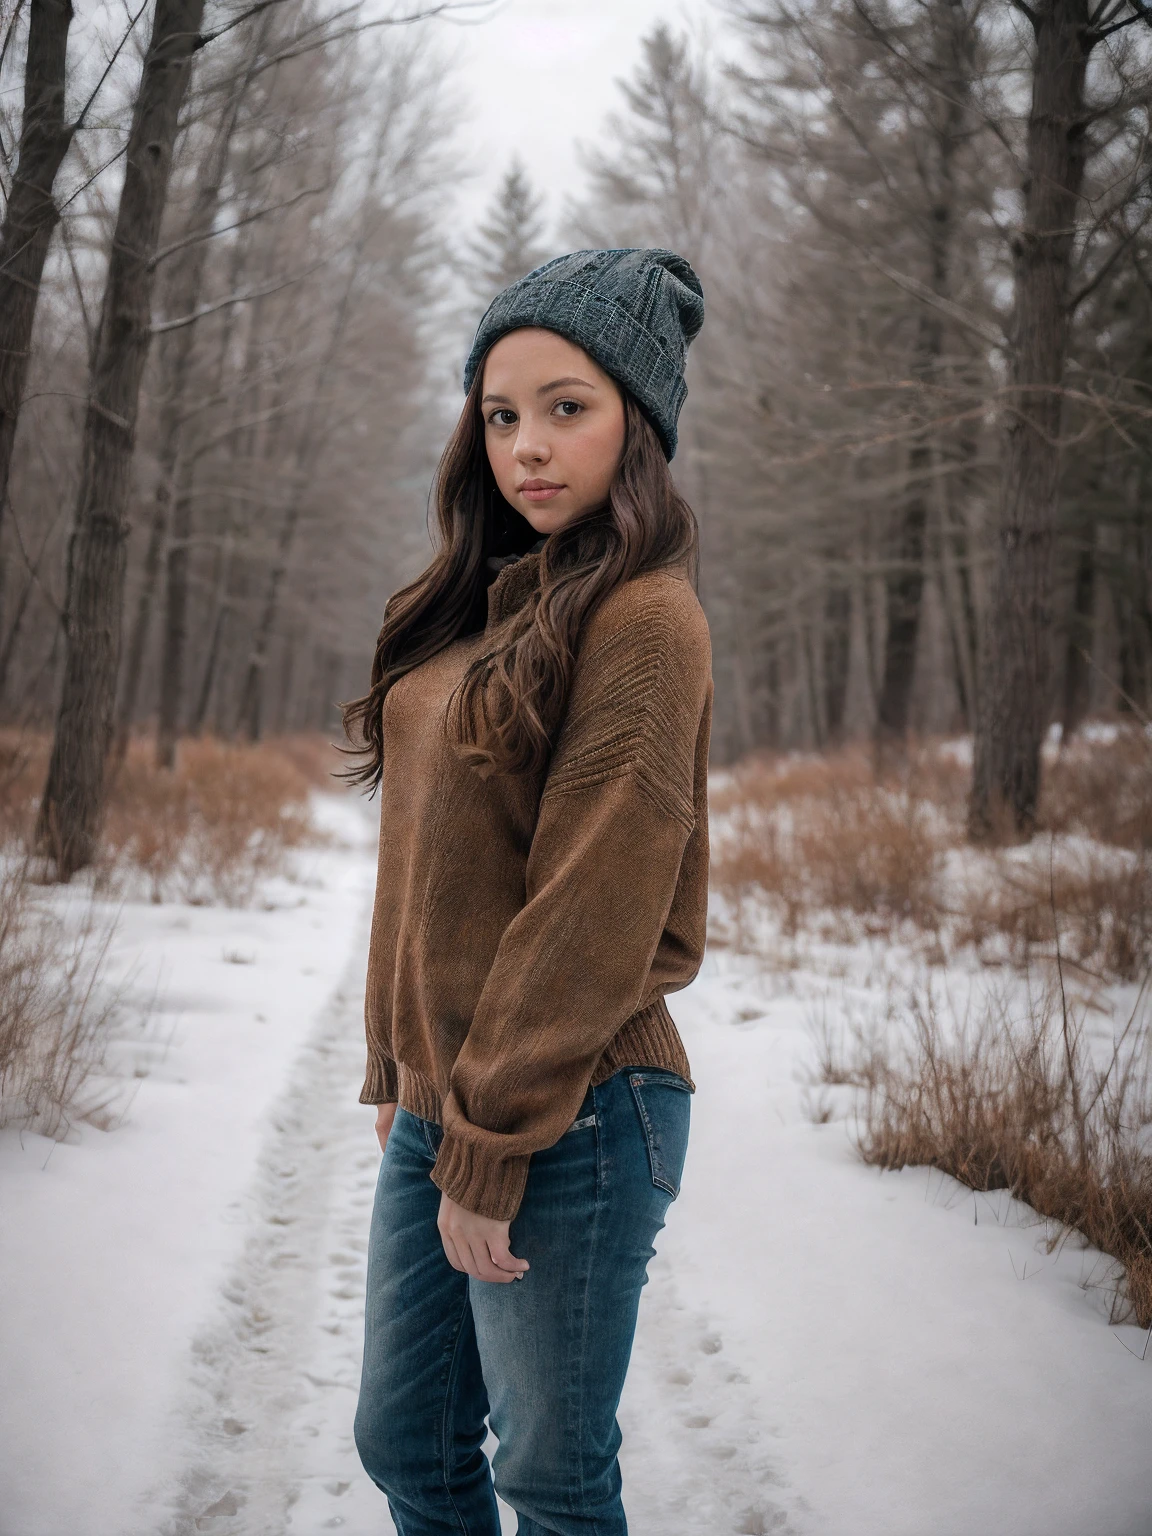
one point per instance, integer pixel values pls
(385, 1114)
(477, 1245)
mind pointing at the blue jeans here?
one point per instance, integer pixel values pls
(544, 1357)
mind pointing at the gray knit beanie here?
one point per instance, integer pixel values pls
(635, 312)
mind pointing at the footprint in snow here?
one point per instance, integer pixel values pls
(695, 1454)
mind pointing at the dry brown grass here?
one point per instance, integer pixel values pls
(55, 1014)
(208, 832)
(807, 839)
(812, 834)
(1102, 789)
(312, 755)
(23, 767)
(1097, 908)
(1020, 1101)
(213, 829)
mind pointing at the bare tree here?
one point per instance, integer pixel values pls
(70, 809)
(73, 796)
(1015, 693)
(188, 257)
(31, 214)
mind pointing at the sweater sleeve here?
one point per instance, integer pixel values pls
(573, 965)
(380, 1082)
(380, 1078)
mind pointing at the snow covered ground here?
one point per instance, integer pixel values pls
(823, 1348)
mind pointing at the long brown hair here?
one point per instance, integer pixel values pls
(505, 712)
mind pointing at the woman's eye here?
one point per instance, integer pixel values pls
(502, 417)
(569, 407)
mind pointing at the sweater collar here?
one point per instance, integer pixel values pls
(513, 584)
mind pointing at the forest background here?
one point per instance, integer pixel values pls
(235, 288)
(243, 251)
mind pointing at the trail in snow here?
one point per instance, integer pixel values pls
(822, 1350)
(698, 1455)
(268, 1421)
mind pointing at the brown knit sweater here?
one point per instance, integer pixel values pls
(526, 927)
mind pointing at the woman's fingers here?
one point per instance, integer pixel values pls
(385, 1115)
(504, 1259)
(477, 1245)
(451, 1254)
(485, 1269)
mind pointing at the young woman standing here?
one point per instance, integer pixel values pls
(538, 727)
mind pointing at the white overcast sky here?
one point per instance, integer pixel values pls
(539, 75)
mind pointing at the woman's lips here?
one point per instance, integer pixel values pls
(540, 490)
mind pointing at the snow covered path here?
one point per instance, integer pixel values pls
(822, 1350)
(844, 1352)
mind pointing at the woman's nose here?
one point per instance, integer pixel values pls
(530, 448)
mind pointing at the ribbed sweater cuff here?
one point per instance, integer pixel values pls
(380, 1082)
(479, 1182)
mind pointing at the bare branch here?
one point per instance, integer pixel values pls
(124, 36)
(385, 21)
(162, 327)
(225, 229)
(1107, 265)
(1019, 5)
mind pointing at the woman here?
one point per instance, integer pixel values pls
(538, 726)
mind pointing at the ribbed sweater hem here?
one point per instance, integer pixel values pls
(648, 1039)
(489, 1186)
(493, 1186)
(380, 1085)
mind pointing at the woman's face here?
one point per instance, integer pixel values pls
(553, 427)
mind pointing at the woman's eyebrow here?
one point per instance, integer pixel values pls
(556, 384)
(545, 388)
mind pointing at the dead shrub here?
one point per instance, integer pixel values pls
(850, 1054)
(55, 1013)
(870, 852)
(23, 768)
(1022, 1101)
(805, 837)
(935, 772)
(313, 756)
(1102, 788)
(1097, 907)
(809, 834)
(210, 830)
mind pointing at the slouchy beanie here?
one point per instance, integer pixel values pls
(635, 312)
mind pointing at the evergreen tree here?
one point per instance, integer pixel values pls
(510, 241)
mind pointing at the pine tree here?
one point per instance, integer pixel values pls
(510, 241)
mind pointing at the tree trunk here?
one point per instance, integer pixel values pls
(31, 214)
(250, 719)
(185, 295)
(837, 652)
(954, 64)
(1015, 687)
(73, 800)
(904, 584)
(142, 620)
(813, 692)
(956, 569)
(1076, 679)
(219, 615)
(172, 659)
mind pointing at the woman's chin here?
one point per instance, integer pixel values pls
(546, 517)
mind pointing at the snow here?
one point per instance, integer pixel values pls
(907, 1357)
(113, 1249)
(822, 1349)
